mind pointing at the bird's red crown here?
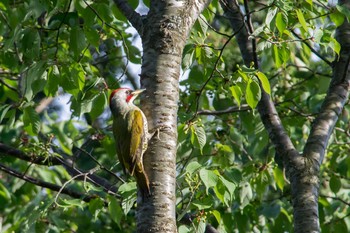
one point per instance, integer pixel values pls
(117, 90)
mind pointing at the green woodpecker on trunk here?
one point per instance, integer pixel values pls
(131, 135)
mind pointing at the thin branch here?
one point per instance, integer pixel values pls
(100, 165)
(56, 160)
(212, 28)
(59, 26)
(212, 74)
(8, 86)
(312, 49)
(48, 185)
(232, 109)
(40, 160)
(133, 17)
(336, 198)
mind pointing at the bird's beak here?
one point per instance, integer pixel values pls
(137, 92)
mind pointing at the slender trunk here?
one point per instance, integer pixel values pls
(163, 36)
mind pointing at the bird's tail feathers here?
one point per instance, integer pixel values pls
(142, 182)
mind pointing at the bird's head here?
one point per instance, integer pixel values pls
(122, 99)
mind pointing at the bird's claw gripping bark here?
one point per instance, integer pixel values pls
(157, 130)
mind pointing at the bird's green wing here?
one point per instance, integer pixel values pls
(137, 141)
(122, 140)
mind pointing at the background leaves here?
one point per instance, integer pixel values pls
(58, 62)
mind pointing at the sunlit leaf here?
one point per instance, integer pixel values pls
(264, 82)
(335, 46)
(281, 22)
(270, 15)
(31, 121)
(301, 19)
(279, 178)
(115, 210)
(253, 94)
(208, 177)
(245, 194)
(193, 166)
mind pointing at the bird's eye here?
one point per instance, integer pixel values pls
(128, 92)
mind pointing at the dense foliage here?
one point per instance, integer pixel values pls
(59, 171)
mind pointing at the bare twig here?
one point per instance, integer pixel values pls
(242, 108)
(100, 165)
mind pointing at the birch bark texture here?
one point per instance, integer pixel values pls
(163, 31)
(302, 168)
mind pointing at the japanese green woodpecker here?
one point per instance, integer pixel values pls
(131, 134)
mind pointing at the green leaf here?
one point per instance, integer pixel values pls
(337, 18)
(208, 177)
(230, 186)
(31, 44)
(73, 80)
(115, 211)
(77, 41)
(276, 56)
(245, 194)
(301, 19)
(192, 167)
(105, 12)
(4, 192)
(128, 192)
(201, 226)
(3, 110)
(220, 191)
(279, 177)
(264, 82)
(203, 25)
(95, 207)
(334, 45)
(34, 80)
(341, 226)
(335, 184)
(344, 10)
(236, 93)
(92, 36)
(253, 94)
(198, 52)
(281, 22)
(188, 58)
(184, 229)
(72, 202)
(217, 216)
(198, 136)
(31, 121)
(247, 70)
(53, 80)
(201, 205)
(270, 16)
(99, 104)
